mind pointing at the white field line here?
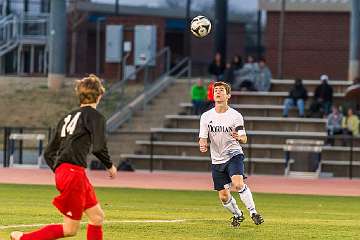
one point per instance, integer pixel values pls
(106, 222)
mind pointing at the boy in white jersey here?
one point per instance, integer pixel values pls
(225, 128)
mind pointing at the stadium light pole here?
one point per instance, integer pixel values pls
(281, 40)
(98, 43)
(187, 45)
(353, 71)
(221, 27)
(259, 35)
(57, 44)
(117, 7)
(4, 9)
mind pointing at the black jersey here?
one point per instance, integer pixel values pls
(77, 134)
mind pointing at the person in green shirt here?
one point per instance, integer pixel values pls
(198, 97)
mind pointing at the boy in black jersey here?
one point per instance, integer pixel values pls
(77, 133)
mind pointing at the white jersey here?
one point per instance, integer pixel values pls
(218, 126)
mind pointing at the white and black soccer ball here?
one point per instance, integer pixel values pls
(200, 26)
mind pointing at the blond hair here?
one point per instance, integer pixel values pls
(89, 89)
(225, 85)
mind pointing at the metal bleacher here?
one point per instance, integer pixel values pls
(174, 146)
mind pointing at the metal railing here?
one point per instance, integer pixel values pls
(23, 29)
(346, 141)
(8, 148)
(152, 163)
(122, 92)
(150, 91)
(9, 33)
(135, 90)
(34, 29)
(5, 146)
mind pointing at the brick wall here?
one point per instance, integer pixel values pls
(315, 43)
(235, 40)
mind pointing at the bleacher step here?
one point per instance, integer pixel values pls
(303, 175)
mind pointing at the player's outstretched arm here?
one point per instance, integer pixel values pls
(203, 145)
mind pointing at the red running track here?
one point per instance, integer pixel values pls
(191, 181)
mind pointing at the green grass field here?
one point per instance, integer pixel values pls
(286, 216)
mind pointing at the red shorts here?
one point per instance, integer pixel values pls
(76, 192)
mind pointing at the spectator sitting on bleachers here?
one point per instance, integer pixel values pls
(323, 97)
(251, 63)
(352, 95)
(333, 125)
(350, 123)
(263, 77)
(198, 97)
(245, 77)
(231, 68)
(229, 74)
(237, 63)
(297, 97)
(217, 67)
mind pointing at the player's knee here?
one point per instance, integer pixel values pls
(70, 230)
(224, 198)
(97, 219)
(238, 186)
(70, 233)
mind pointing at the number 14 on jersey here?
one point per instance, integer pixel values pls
(70, 124)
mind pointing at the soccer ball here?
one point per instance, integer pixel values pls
(200, 26)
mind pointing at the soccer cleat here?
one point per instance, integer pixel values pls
(236, 220)
(16, 235)
(257, 218)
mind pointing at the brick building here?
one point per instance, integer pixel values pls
(171, 29)
(316, 37)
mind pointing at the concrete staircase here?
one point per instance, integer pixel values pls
(138, 128)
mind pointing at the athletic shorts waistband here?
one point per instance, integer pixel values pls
(69, 165)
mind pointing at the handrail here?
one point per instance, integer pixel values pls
(10, 37)
(6, 18)
(118, 89)
(39, 20)
(127, 78)
(14, 30)
(121, 116)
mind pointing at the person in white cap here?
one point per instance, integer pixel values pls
(323, 96)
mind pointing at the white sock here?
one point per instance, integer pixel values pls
(247, 199)
(232, 207)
